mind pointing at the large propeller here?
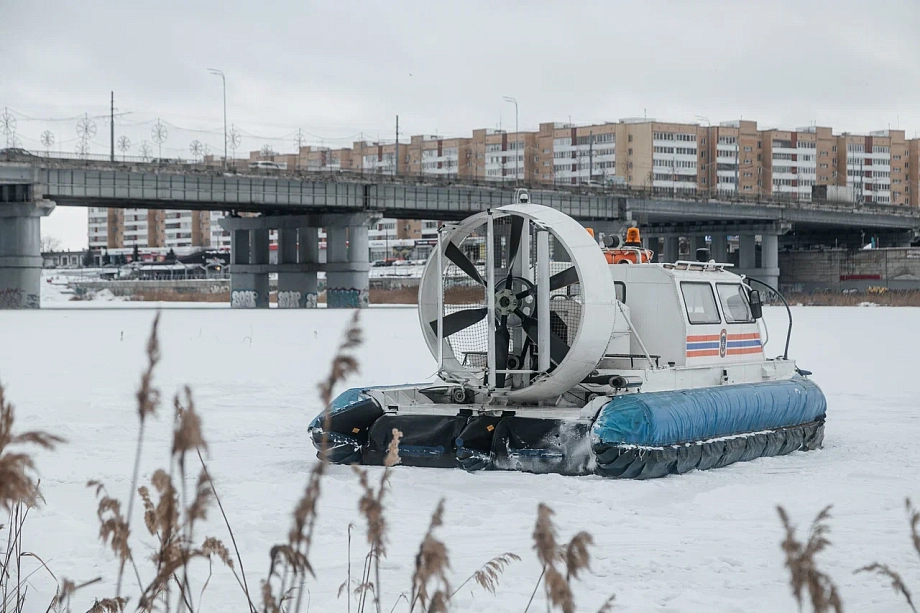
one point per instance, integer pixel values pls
(507, 303)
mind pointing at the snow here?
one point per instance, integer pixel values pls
(703, 541)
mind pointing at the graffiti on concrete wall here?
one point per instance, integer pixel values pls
(346, 298)
(15, 298)
(10, 298)
(244, 299)
(289, 300)
(296, 300)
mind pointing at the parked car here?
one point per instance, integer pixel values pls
(265, 165)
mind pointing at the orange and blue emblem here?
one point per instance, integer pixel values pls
(723, 344)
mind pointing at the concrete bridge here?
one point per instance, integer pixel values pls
(297, 205)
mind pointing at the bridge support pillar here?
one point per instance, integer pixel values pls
(346, 266)
(696, 242)
(746, 252)
(297, 288)
(718, 249)
(20, 253)
(248, 285)
(671, 249)
(769, 260)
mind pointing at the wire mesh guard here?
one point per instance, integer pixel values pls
(515, 276)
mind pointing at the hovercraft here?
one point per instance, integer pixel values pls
(553, 356)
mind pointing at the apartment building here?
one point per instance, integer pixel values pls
(97, 227)
(912, 170)
(324, 159)
(504, 156)
(380, 157)
(873, 163)
(438, 156)
(578, 154)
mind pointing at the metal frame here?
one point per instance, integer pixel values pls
(490, 296)
(543, 353)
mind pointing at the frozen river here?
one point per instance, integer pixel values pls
(705, 541)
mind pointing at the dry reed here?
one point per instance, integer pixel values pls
(370, 506)
(886, 572)
(431, 566)
(490, 573)
(803, 569)
(19, 492)
(574, 555)
(290, 562)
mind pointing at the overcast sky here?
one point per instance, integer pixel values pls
(339, 70)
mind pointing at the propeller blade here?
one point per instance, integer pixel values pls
(502, 338)
(456, 256)
(557, 281)
(460, 320)
(517, 228)
(557, 347)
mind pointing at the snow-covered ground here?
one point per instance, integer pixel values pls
(705, 541)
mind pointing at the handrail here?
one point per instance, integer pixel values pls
(788, 312)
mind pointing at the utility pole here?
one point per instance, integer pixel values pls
(517, 138)
(112, 132)
(396, 171)
(223, 81)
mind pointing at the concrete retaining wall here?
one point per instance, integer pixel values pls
(841, 269)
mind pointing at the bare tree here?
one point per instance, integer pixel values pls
(50, 243)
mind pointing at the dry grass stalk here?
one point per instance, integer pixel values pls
(165, 518)
(913, 516)
(17, 480)
(884, 571)
(109, 605)
(573, 554)
(431, 565)
(19, 492)
(291, 578)
(148, 400)
(490, 573)
(607, 607)
(803, 570)
(371, 507)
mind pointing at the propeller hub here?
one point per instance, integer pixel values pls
(505, 302)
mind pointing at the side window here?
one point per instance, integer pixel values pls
(735, 305)
(621, 291)
(701, 303)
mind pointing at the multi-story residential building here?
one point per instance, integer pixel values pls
(219, 238)
(872, 164)
(730, 158)
(912, 170)
(446, 157)
(581, 155)
(187, 228)
(502, 156)
(380, 157)
(97, 227)
(323, 158)
(791, 161)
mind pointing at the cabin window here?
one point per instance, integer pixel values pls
(700, 303)
(620, 290)
(735, 305)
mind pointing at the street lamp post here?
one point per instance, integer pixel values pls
(517, 172)
(224, 82)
